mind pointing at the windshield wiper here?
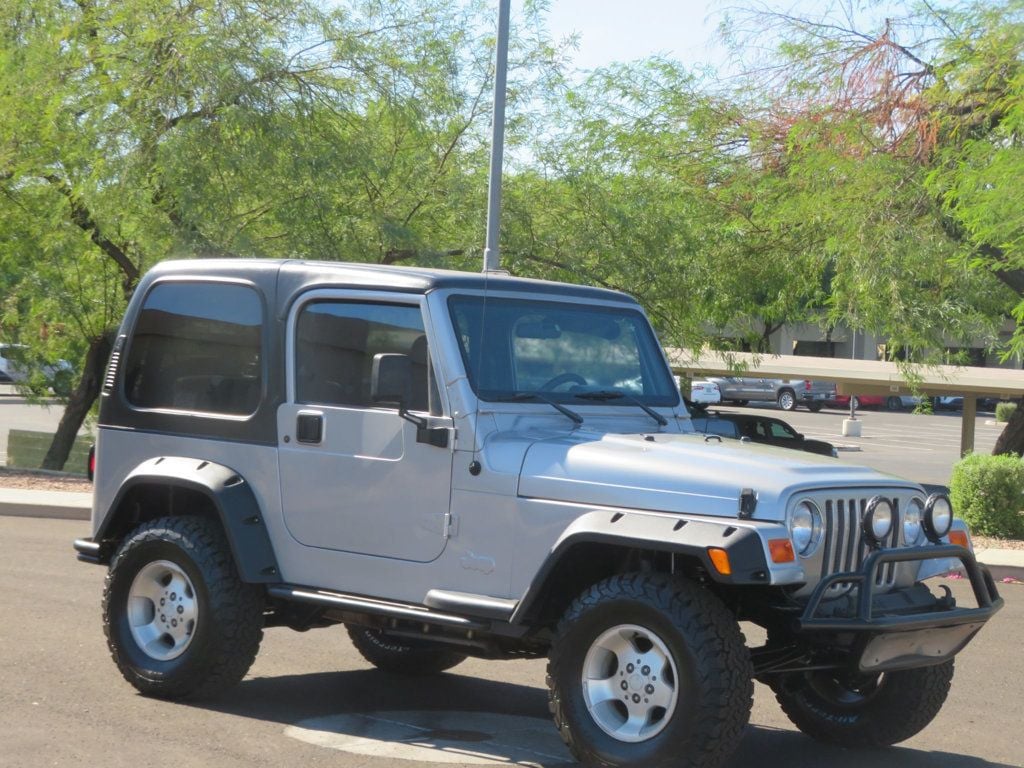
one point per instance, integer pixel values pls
(522, 397)
(614, 394)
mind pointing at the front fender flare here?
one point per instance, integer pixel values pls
(687, 536)
(230, 495)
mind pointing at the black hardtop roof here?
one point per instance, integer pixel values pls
(296, 275)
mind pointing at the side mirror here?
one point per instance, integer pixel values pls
(390, 378)
(391, 382)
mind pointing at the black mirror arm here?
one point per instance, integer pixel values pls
(419, 421)
(436, 436)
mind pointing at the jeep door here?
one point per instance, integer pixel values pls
(354, 477)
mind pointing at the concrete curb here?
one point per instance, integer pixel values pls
(57, 505)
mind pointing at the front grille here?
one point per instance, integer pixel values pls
(844, 545)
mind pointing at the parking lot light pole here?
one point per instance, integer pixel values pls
(492, 255)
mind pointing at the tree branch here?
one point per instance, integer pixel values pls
(82, 218)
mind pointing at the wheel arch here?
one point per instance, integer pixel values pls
(178, 486)
(587, 555)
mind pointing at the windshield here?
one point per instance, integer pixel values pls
(566, 352)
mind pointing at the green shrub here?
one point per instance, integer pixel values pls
(988, 493)
(1004, 411)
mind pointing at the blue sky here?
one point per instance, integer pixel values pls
(685, 30)
(624, 30)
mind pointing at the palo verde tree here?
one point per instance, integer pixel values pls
(903, 132)
(649, 183)
(136, 130)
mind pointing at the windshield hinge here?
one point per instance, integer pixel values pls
(748, 503)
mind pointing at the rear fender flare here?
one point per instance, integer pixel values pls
(230, 496)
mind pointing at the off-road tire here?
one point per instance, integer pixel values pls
(904, 703)
(714, 681)
(229, 612)
(787, 400)
(401, 655)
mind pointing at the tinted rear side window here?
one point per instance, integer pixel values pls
(196, 347)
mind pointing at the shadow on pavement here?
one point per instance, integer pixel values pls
(297, 698)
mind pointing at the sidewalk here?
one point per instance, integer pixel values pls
(62, 505)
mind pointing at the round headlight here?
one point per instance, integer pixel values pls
(912, 522)
(938, 517)
(805, 528)
(877, 521)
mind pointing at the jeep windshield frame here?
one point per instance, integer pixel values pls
(561, 351)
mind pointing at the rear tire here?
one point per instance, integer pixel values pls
(871, 711)
(676, 655)
(401, 655)
(814, 407)
(787, 400)
(179, 621)
(893, 403)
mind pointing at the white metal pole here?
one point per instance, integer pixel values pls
(492, 255)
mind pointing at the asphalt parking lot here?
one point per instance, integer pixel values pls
(311, 700)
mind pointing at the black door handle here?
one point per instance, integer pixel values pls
(309, 428)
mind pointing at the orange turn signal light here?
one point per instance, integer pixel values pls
(781, 550)
(960, 539)
(720, 559)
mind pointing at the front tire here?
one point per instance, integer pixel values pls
(868, 711)
(400, 655)
(179, 621)
(893, 403)
(649, 671)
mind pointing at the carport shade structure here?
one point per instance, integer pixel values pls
(864, 377)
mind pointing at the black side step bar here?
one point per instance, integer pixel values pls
(358, 604)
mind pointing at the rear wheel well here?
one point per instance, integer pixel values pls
(587, 563)
(149, 501)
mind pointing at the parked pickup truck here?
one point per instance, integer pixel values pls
(787, 393)
(448, 464)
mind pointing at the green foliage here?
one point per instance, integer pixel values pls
(978, 102)
(133, 131)
(988, 493)
(869, 178)
(1004, 411)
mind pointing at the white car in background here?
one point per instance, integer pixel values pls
(705, 393)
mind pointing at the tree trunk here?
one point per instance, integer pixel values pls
(1011, 440)
(80, 402)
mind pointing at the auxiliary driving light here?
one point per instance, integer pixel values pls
(938, 517)
(913, 525)
(877, 521)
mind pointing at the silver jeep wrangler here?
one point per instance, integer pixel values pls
(454, 464)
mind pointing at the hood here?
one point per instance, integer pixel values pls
(681, 473)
